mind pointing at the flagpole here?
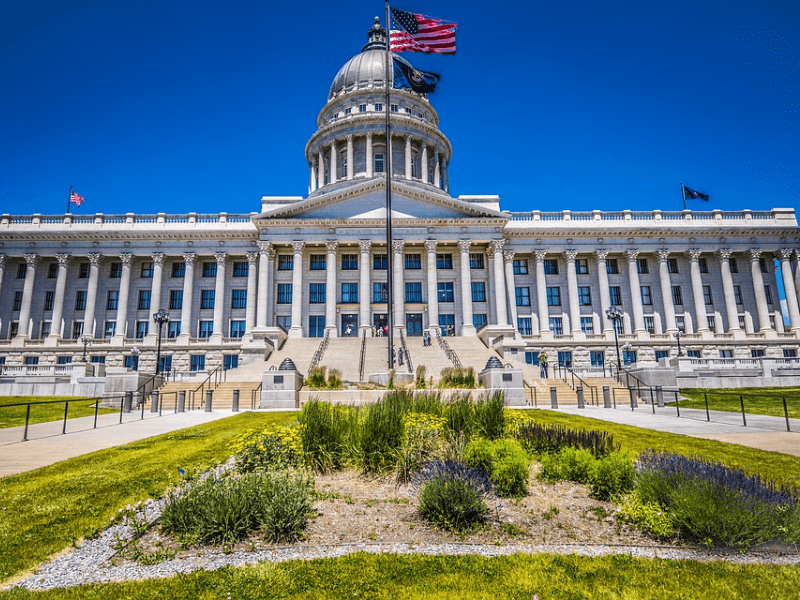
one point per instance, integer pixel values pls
(389, 251)
(683, 195)
(69, 198)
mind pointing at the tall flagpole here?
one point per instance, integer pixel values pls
(69, 198)
(683, 195)
(388, 169)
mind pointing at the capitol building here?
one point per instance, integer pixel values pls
(242, 289)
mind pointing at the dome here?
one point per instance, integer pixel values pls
(365, 69)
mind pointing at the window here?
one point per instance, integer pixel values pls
(176, 299)
(556, 325)
(629, 357)
(112, 300)
(231, 361)
(520, 267)
(476, 260)
(317, 262)
(478, 320)
(144, 300)
(31, 360)
(238, 299)
(52, 270)
(741, 322)
(349, 262)
(584, 295)
(80, 300)
(414, 292)
(394, 108)
(531, 358)
(612, 266)
(768, 294)
(237, 328)
(173, 329)
(142, 328)
(348, 110)
(14, 329)
(241, 269)
(641, 266)
(22, 268)
(179, 269)
(110, 329)
(524, 325)
(283, 321)
(444, 261)
(209, 269)
(734, 266)
(284, 293)
(116, 270)
(45, 329)
(378, 163)
(380, 262)
(647, 298)
(285, 262)
(18, 301)
(677, 296)
(650, 324)
(316, 293)
(479, 291)
(762, 262)
(565, 359)
(697, 353)
(446, 321)
(553, 296)
(615, 295)
(362, 108)
(207, 298)
(737, 294)
(597, 358)
(83, 270)
(662, 354)
(413, 261)
(77, 330)
(445, 291)
(703, 264)
(587, 325)
(206, 329)
(581, 266)
(198, 362)
(712, 322)
(147, 270)
(98, 360)
(680, 322)
(380, 292)
(672, 265)
(350, 293)
(707, 296)
(757, 352)
(550, 266)
(378, 107)
(789, 353)
(49, 299)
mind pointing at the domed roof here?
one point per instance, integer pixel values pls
(365, 69)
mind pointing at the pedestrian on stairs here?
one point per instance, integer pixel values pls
(400, 357)
(543, 364)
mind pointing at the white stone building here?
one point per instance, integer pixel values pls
(237, 284)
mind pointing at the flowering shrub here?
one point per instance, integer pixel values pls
(452, 496)
(504, 462)
(540, 439)
(272, 448)
(610, 476)
(648, 516)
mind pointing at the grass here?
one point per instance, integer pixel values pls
(443, 577)
(757, 401)
(773, 466)
(46, 510)
(44, 413)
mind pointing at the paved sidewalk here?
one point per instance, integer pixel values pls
(763, 432)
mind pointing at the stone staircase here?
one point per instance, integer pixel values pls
(433, 357)
(344, 355)
(471, 352)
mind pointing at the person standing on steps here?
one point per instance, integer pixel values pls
(543, 364)
(400, 357)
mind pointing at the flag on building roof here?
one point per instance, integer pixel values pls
(407, 77)
(418, 33)
(75, 198)
(690, 194)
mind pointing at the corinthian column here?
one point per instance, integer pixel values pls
(499, 283)
(758, 288)
(2, 269)
(399, 285)
(363, 286)
(333, 162)
(666, 290)
(58, 304)
(788, 287)
(697, 290)
(636, 292)
(433, 289)
(296, 330)
(252, 289)
(424, 163)
(437, 180)
(186, 306)
(572, 287)
(408, 157)
(330, 288)
(350, 156)
(91, 295)
(508, 265)
(467, 326)
(23, 329)
(541, 294)
(320, 169)
(370, 164)
(724, 255)
(126, 258)
(264, 279)
(312, 176)
(155, 293)
(605, 297)
(219, 298)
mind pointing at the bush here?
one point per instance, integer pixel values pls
(647, 516)
(286, 504)
(382, 433)
(460, 415)
(541, 439)
(316, 378)
(334, 379)
(423, 439)
(490, 416)
(613, 476)
(570, 464)
(504, 461)
(420, 377)
(326, 433)
(452, 496)
(457, 377)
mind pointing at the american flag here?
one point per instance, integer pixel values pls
(75, 198)
(418, 33)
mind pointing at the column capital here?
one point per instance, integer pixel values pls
(221, 257)
(189, 257)
(632, 254)
(497, 245)
(364, 246)
(252, 258)
(264, 247)
(601, 253)
(32, 259)
(754, 253)
(272, 253)
(430, 245)
(464, 245)
(298, 246)
(540, 254)
(409, 137)
(158, 258)
(369, 136)
(724, 253)
(94, 258)
(397, 246)
(785, 253)
(508, 256)
(694, 253)
(63, 259)
(126, 258)
(663, 254)
(571, 255)
(331, 246)
(349, 137)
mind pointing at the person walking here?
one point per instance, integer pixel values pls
(400, 357)
(543, 364)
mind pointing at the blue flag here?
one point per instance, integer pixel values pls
(407, 77)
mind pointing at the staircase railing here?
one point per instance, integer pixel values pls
(406, 353)
(320, 351)
(363, 357)
(595, 398)
(219, 375)
(255, 395)
(449, 352)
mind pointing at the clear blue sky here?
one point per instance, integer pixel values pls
(178, 106)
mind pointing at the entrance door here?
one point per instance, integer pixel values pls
(316, 325)
(414, 325)
(349, 323)
(380, 322)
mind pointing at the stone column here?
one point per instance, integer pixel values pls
(467, 326)
(605, 298)
(636, 291)
(58, 304)
(797, 274)
(697, 290)
(408, 157)
(437, 176)
(758, 288)
(350, 166)
(363, 286)
(264, 281)
(320, 169)
(330, 288)
(511, 293)
(370, 164)
(126, 258)
(312, 176)
(446, 177)
(789, 288)
(89, 327)
(724, 255)
(398, 291)
(186, 307)
(155, 296)
(219, 298)
(541, 293)
(666, 290)
(334, 166)
(23, 329)
(574, 304)
(433, 289)
(499, 283)
(296, 330)
(252, 290)
(2, 269)
(424, 163)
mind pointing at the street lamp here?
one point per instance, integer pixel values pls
(85, 339)
(615, 316)
(678, 335)
(135, 358)
(160, 317)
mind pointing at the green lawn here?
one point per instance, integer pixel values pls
(447, 577)
(42, 413)
(758, 401)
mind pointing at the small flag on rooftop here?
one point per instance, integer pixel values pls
(75, 198)
(407, 77)
(690, 194)
(418, 33)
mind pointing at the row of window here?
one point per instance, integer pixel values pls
(378, 107)
(380, 262)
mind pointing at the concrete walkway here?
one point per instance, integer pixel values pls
(763, 432)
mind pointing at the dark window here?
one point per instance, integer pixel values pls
(22, 268)
(581, 266)
(768, 294)
(317, 262)
(379, 292)
(285, 262)
(672, 264)
(209, 269)
(703, 264)
(478, 291)
(116, 270)
(237, 331)
(413, 261)
(174, 329)
(737, 294)
(83, 270)
(179, 269)
(557, 325)
(198, 362)
(113, 300)
(141, 329)
(641, 266)
(52, 270)
(80, 300)
(677, 296)
(612, 266)
(414, 292)
(522, 296)
(734, 266)
(615, 295)
(349, 293)
(207, 298)
(520, 267)
(49, 299)
(707, 296)
(757, 352)
(444, 261)
(478, 320)
(476, 261)
(284, 293)
(176, 299)
(553, 296)
(762, 262)
(380, 262)
(144, 299)
(445, 291)
(238, 299)
(650, 324)
(18, 301)
(524, 326)
(316, 293)
(241, 269)
(349, 262)
(584, 295)
(550, 266)
(647, 298)
(147, 269)
(206, 329)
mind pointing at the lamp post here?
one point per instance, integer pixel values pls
(85, 339)
(678, 335)
(160, 317)
(615, 316)
(135, 358)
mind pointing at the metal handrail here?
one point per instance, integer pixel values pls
(406, 352)
(533, 395)
(448, 351)
(320, 351)
(592, 388)
(203, 385)
(363, 357)
(254, 394)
